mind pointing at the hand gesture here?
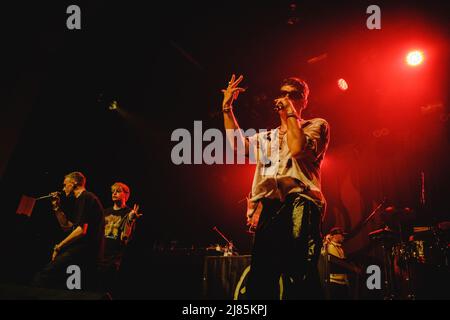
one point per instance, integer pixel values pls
(232, 91)
(134, 213)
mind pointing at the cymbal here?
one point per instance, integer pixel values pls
(393, 214)
(444, 225)
(395, 210)
(422, 229)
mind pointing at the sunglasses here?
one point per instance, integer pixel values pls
(294, 95)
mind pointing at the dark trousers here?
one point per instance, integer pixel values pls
(54, 274)
(287, 244)
(109, 274)
(339, 291)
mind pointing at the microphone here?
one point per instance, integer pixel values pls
(278, 106)
(50, 195)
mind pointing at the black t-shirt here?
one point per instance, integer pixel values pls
(115, 221)
(88, 210)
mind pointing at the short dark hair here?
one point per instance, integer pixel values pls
(78, 177)
(299, 84)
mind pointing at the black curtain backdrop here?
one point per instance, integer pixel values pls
(165, 68)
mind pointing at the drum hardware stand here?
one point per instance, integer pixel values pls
(406, 258)
(230, 249)
(384, 237)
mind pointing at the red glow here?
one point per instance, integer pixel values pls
(414, 58)
(326, 162)
(342, 84)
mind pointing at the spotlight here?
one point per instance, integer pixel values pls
(113, 106)
(342, 84)
(414, 58)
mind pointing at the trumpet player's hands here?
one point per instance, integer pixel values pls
(232, 91)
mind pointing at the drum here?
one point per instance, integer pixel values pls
(426, 251)
(401, 251)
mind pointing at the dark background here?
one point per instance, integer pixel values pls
(165, 65)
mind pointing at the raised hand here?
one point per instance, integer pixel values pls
(232, 91)
(134, 213)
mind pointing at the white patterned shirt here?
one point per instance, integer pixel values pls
(278, 174)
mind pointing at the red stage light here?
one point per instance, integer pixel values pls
(342, 84)
(414, 58)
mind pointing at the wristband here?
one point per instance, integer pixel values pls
(293, 115)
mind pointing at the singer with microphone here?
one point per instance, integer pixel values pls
(84, 226)
(286, 182)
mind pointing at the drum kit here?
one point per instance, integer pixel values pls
(427, 247)
(416, 259)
